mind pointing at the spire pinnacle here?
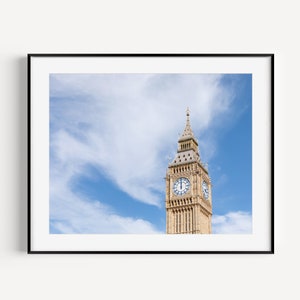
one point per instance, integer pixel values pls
(187, 133)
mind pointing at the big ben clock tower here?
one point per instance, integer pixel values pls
(188, 188)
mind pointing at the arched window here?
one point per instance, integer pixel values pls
(192, 219)
(185, 220)
(176, 221)
(188, 220)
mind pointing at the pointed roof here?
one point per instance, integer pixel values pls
(187, 151)
(188, 132)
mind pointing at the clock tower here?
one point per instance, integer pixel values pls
(188, 188)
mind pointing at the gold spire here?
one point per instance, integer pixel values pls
(188, 132)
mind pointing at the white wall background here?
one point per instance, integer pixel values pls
(114, 26)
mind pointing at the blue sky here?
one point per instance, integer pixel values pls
(112, 136)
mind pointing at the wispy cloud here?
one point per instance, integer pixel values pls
(125, 125)
(72, 214)
(238, 222)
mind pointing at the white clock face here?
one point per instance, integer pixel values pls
(205, 190)
(181, 186)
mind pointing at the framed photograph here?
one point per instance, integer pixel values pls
(151, 153)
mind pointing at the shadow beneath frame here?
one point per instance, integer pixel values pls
(22, 154)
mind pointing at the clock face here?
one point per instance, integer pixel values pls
(181, 186)
(205, 190)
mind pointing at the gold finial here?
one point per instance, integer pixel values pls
(188, 116)
(187, 130)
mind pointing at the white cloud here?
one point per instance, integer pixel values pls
(71, 214)
(126, 126)
(238, 222)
